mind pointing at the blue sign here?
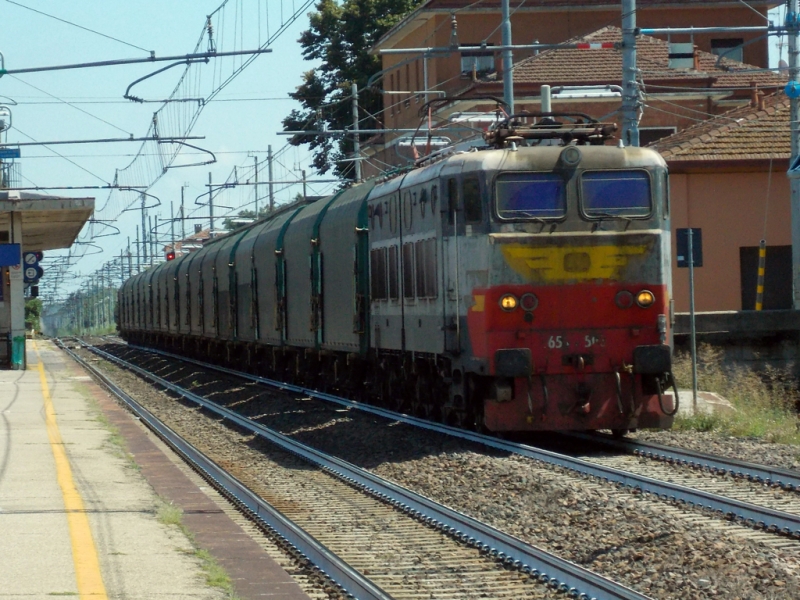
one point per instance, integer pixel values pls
(682, 250)
(32, 274)
(10, 255)
(9, 152)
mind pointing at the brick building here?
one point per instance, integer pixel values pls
(675, 98)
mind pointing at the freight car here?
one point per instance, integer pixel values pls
(523, 286)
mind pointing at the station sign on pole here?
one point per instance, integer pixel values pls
(690, 254)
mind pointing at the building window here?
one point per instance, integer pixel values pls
(481, 61)
(648, 135)
(730, 48)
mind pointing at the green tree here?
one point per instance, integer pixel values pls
(340, 36)
(33, 311)
(233, 223)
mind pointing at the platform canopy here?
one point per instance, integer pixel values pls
(48, 222)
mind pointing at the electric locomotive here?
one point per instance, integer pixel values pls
(523, 286)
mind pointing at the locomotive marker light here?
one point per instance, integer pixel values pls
(623, 299)
(529, 302)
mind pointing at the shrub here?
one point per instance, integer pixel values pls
(766, 402)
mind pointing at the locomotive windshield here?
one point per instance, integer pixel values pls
(523, 196)
(616, 193)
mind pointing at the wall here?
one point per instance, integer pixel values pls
(731, 209)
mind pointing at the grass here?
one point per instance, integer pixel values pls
(766, 402)
(216, 576)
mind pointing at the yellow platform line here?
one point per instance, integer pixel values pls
(84, 552)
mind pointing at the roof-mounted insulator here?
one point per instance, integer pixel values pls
(212, 46)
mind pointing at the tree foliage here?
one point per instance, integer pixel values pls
(33, 311)
(340, 35)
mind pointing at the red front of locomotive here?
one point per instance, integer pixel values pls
(574, 324)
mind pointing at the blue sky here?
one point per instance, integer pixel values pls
(239, 124)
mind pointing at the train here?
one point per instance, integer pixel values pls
(520, 286)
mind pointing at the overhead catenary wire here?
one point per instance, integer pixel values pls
(78, 26)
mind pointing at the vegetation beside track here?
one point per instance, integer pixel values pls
(215, 574)
(766, 402)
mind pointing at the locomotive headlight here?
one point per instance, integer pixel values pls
(508, 302)
(571, 156)
(645, 298)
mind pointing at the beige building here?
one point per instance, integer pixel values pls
(728, 178)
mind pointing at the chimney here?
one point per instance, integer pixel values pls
(753, 94)
(198, 228)
(696, 58)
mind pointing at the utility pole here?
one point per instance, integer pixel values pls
(122, 266)
(305, 196)
(508, 59)
(269, 172)
(794, 109)
(210, 208)
(630, 89)
(356, 141)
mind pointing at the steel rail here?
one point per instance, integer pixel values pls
(784, 478)
(750, 514)
(330, 565)
(547, 568)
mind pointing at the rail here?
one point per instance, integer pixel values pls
(547, 568)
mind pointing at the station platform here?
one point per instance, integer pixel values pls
(79, 510)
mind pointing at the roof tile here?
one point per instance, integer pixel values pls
(743, 133)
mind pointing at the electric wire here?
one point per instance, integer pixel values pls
(71, 105)
(79, 26)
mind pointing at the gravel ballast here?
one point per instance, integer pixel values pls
(658, 549)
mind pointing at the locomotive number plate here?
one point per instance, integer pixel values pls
(556, 342)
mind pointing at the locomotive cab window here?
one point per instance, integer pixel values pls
(522, 196)
(616, 193)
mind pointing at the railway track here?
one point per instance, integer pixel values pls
(753, 506)
(374, 538)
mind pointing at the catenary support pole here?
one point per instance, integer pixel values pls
(183, 216)
(269, 174)
(144, 230)
(356, 141)
(508, 58)
(210, 208)
(794, 112)
(630, 89)
(138, 253)
(255, 192)
(692, 330)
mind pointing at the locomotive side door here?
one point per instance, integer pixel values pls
(450, 253)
